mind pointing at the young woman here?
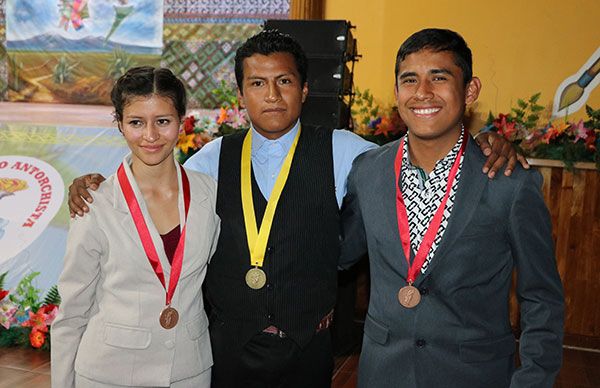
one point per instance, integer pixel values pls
(132, 311)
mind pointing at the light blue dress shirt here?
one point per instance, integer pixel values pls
(268, 156)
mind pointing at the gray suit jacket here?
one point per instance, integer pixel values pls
(107, 328)
(460, 333)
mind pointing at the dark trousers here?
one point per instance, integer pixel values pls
(268, 361)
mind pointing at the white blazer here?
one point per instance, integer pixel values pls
(107, 328)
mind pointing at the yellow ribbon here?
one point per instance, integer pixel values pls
(257, 240)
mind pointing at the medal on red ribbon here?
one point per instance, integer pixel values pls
(409, 296)
(169, 316)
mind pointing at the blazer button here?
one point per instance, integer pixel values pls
(424, 291)
(270, 317)
(420, 343)
(169, 344)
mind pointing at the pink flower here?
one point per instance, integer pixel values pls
(580, 131)
(238, 118)
(7, 313)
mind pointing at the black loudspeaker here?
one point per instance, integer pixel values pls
(328, 45)
(328, 75)
(318, 38)
(328, 111)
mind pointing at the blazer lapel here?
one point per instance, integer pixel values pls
(196, 233)
(129, 225)
(469, 191)
(388, 211)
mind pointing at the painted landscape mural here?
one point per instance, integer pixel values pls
(71, 51)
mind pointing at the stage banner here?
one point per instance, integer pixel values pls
(37, 164)
(71, 51)
(3, 62)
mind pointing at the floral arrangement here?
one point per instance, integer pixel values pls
(561, 140)
(376, 124)
(197, 131)
(25, 319)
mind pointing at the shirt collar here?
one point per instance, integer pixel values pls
(442, 165)
(260, 144)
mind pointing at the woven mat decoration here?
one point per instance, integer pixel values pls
(201, 37)
(228, 11)
(202, 55)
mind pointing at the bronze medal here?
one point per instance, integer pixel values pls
(169, 317)
(409, 296)
(256, 278)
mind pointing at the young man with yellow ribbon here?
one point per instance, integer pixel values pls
(272, 281)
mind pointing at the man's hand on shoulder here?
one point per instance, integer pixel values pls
(500, 152)
(79, 194)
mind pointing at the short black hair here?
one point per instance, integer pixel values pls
(267, 42)
(146, 81)
(437, 39)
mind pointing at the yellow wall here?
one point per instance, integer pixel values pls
(520, 47)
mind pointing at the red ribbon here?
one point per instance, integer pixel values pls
(144, 233)
(434, 225)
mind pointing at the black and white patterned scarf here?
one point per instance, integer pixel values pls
(423, 194)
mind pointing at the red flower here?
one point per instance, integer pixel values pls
(498, 122)
(551, 134)
(505, 128)
(50, 311)
(37, 321)
(590, 141)
(37, 338)
(188, 125)
(3, 293)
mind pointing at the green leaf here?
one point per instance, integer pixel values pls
(522, 104)
(2, 277)
(535, 98)
(589, 110)
(52, 296)
(26, 295)
(536, 108)
(518, 113)
(14, 336)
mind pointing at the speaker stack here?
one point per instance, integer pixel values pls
(331, 52)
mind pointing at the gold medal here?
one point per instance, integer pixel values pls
(409, 296)
(169, 317)
(257, 239)
(256, 278)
